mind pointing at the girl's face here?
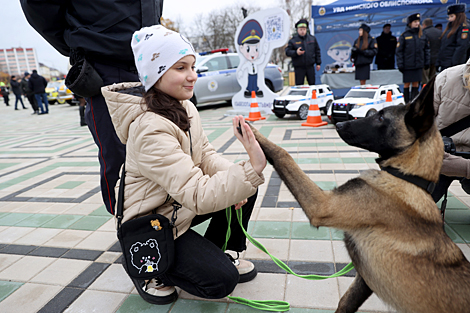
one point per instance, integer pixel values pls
(451, 17)
(361, 31)
(179, 80)
(414, 24)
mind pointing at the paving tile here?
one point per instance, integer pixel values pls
(311, 250)
(307, 231)
(70, 185)
(195, 306)
(49, 252)
(96, 301)
(88, 276)
(82, 254)
(61, 272)
(98, 240)
(113, 279)
(340, 252)
(457, 217)
(279, 230)
(101, 211)
(275, 214)
(115, 247)
(29, 298)
(38, 236)
(36, 220)
(277, 247)
(463, 232)
(319, 294)
(68, 238)
(13, 218)
(256, 289)
(62, 300)
(12, 234)
(18, 249)
(7, 260)
(7, 288)
(62, 221)
(89, 223)
(25, 268)
(108, 257)
(135, 304)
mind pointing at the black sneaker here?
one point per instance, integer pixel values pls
(246, 269)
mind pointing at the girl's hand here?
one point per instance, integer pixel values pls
(240, 204)
(252, 147)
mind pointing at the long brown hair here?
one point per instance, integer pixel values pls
(158, 102)
(365, 40)
(420, 30)
(460, 18)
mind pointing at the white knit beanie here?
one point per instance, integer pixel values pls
(156, 49)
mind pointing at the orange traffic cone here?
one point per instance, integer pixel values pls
(255, 114)
(314, 116)
(389, 96)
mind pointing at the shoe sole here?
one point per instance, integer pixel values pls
(248, 276)
(154, 299)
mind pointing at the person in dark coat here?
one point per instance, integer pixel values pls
(16, 88)
(77, 29)
(413, 55)
(362, 53)
(38, 84)
(454, 38)
(24, 85)
(434, 37)
(386, 43)
(305, 52)
(5, 92)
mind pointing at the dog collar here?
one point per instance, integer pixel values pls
(418, 181)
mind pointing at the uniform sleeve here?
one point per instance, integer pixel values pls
(47, 17)
(371, 51)
(291, 51)
(399, 51)
(317, 53)
(159, 157)
(461, 47)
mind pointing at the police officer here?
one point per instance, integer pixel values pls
(454, 39)
(387, 43)
(362, 53)
(413, 54)
(304, 50)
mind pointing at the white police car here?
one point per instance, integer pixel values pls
(362, 101)
(297, 100)
(217, 77)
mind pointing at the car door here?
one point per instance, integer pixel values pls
(234, 62)
(216, 83)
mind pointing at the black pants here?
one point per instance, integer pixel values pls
(32, 101)
(112, 152)
(301, 72)
(200, 267)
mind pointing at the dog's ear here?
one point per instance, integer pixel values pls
(420, 113)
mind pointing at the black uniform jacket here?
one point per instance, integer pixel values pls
(364, 57)
(387, 44)
(312, 51)
(102, 28)
(454, 49)
(434, 39)
(412, 51)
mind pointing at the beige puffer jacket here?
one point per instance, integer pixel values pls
(452, 103)
(163, 160)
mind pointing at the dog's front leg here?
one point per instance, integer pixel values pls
(355, 296)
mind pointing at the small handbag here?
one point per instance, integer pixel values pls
(147, 242)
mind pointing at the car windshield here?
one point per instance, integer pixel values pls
(200, 59)
(360, 94)
(54, 84)
(297, 93)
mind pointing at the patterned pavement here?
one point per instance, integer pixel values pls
(58, 245)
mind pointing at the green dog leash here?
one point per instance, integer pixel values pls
(272, 305)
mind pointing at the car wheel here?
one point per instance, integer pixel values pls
(279, 115)
(327, 107)
(51, 102)
(370, 113)
(303, 112)
(269, 85)
(193, 100)
(70, 102)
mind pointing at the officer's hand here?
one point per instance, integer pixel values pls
(318, 67)
(300, 51)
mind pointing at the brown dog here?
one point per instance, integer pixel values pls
(393, 229)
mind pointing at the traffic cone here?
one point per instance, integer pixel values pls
(389, 96)
(255, 114)
(314, 115)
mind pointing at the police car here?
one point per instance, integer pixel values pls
(362, 101)
(297, 100)
(217, 77)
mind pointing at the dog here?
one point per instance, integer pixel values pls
(393, 230)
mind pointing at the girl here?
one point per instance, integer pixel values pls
(454, 39)
(413, 54)
(169, 158)
(362, 53)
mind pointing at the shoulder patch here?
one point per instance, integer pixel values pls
(375, 45)
(408, 37)
(398, 44)
(464, 35)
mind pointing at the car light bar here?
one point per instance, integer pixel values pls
(224, 50)
(300, 87)
(365, 87)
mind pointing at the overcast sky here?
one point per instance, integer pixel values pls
(16, 32)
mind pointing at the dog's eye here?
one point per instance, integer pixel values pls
(380, 116)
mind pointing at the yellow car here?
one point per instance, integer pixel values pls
(58, 92)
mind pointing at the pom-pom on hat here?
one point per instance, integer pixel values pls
(456, 8)
(365, 28)
(156, 49)
(413, 17)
